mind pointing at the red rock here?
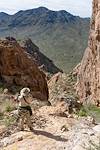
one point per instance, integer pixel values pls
(17, 67)
(88, 83)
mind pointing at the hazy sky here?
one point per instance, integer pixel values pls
(76, 7)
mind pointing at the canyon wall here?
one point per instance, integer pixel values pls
(88, 75)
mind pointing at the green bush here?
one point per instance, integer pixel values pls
(90, 110)
(94, 111)
(1, 115)
(9, 120)
(9, 108)
(82, 112)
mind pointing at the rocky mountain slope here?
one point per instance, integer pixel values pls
(88, 85)
(59, 35)
(41, 60)
(18, 68)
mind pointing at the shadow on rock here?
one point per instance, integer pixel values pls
(49, 135)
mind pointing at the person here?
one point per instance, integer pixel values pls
(24, 109)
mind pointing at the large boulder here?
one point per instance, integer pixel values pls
(17, 67)
(88, 83)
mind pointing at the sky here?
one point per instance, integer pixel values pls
(76, 7)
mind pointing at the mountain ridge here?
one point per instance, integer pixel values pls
(43, 62)
(60, 35)
(43, 8)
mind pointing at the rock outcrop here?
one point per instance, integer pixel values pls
(62, 93)
(59, 87)
(42, 61)
(17, 67)
(88, 84)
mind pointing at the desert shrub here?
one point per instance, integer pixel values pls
(93, 111)
(90, 110)
(1, 115)
(1, 89)
(7, 106)
(9, 120)
(82, 112)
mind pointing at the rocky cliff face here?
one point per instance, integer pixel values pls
(17, 67)
(88, 85)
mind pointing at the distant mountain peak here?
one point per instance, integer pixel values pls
(64, 12)
(42, 8)
(3, 14)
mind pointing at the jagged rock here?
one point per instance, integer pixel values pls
(43, 61)
(18, 68)
(59, 85)
(88, 83)
(62, 94)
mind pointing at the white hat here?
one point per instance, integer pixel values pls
(25, 91)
